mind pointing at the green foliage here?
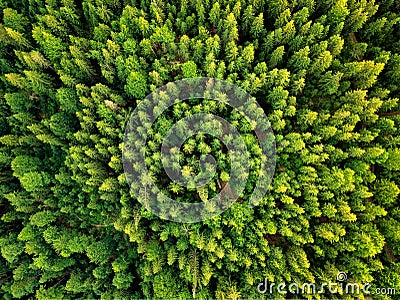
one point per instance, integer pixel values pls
(189, 69)
(136, 85)
(325, 72)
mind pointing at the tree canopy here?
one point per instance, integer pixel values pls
(327, 75)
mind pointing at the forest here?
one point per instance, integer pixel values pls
(326, 75)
